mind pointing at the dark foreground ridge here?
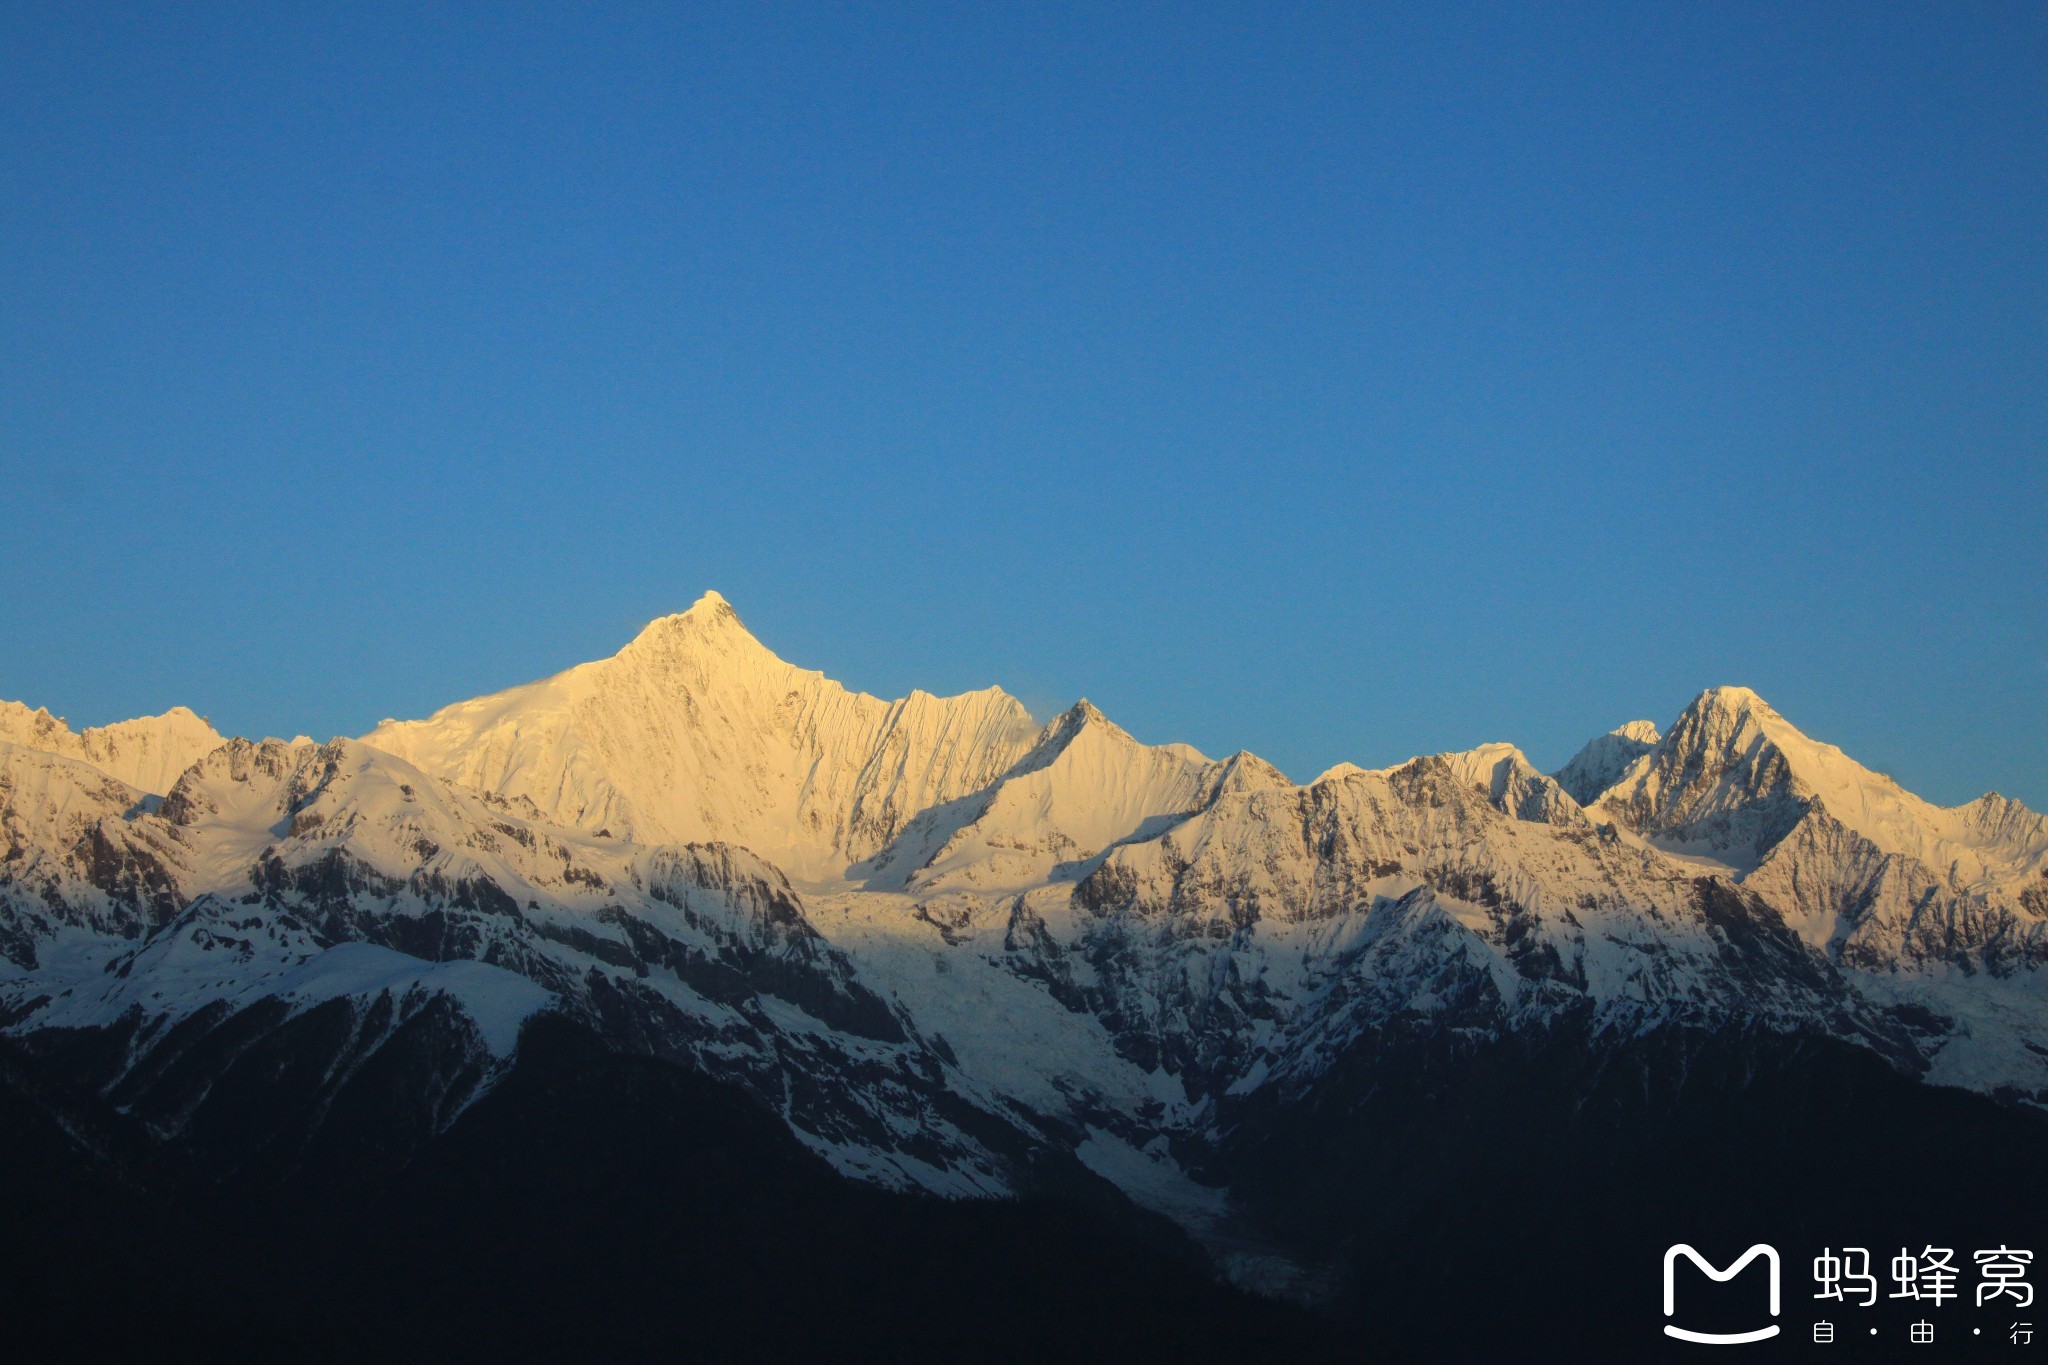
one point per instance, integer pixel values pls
(1513, 1200)
(1509, 1201)
(1449, 1055)
(591, 1204)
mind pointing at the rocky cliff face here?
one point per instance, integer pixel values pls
(1865, 871)
(1605, 758)
(948, 946)
(329, 897)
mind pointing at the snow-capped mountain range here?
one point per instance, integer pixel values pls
(950, 945)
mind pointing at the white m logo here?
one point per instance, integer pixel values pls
(1770, 1254)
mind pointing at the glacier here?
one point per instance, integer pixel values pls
(947, 944)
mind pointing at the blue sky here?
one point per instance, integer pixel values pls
(1337, 382)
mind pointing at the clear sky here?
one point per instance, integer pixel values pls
(1338, 382)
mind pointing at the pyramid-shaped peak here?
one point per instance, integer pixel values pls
(710, 616)
(1083, 723)
(1732, 699)
(1721, 715)
(710, 610)
(1246, 771)
(1724, 716)
(1082, 715)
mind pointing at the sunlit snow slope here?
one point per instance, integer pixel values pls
(147, 754)
(951, 946)
(696, 731)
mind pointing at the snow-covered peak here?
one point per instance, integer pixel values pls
(1719, 785)
(1733, 777)
(1246, 771)
(47, 800)
(696, 731)
(278, 814)
(1076, 718)
(1996, 819)
(1084, 723)
(1600, 764)
(1115, 935)
(148, 752)
(1085, 785)
(1511, 783)
(707, 620)
(1482, 765)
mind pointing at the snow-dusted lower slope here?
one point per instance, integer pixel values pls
(147, 753)
(291, 876)
(1255, 939)
(942, 941)
(73, 860)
